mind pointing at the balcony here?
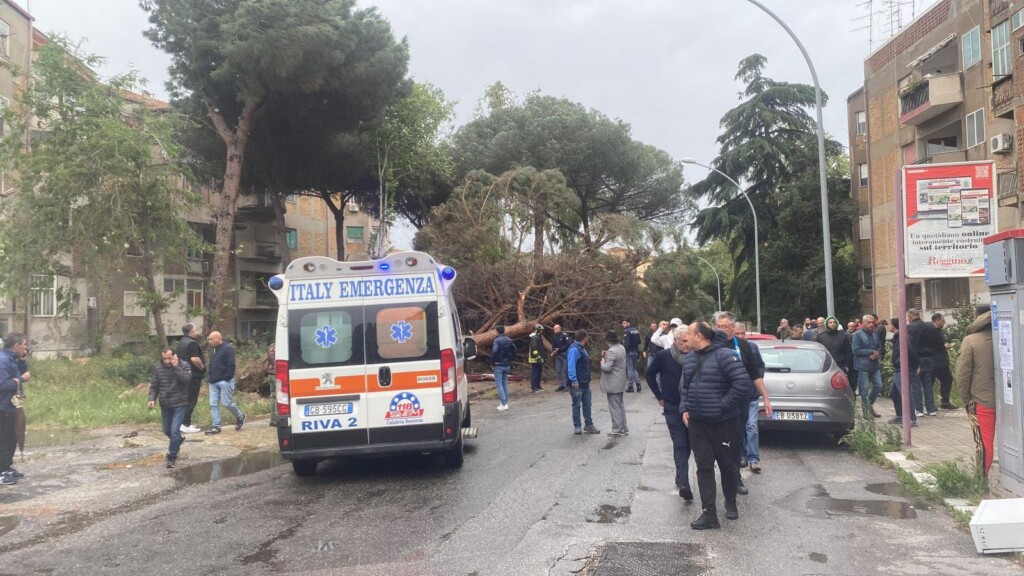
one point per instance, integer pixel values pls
(256, 207)
(1003, 94)
(929, 98)
(249, 298)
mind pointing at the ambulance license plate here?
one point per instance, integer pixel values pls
(328, 409)
(792, 416)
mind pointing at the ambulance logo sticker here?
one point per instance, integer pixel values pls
(401, 331)
(404, 409)
(326, 337)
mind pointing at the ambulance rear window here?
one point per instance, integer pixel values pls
(326, 337)
(407, 331)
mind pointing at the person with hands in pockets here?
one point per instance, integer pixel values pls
(169, 387)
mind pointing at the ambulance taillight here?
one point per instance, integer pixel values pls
(283, 390)
(449, 390)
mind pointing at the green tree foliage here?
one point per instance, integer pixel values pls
(608, 171)
(676, 288)
(768, 144)
(103, 177)
(241, 61)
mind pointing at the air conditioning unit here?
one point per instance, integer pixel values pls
(352, 206)
(1001, 143)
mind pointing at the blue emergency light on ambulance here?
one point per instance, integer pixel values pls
(378, 342)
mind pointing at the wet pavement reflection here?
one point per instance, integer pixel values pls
(240, 465)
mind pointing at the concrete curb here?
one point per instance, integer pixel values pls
(899, 461)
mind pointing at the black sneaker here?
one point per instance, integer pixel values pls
(630, 389)
(171, 460)
(947, 406)
(212, 431)
(686, 494)
(741, 489)
(14, 474)
(241, 422)
(7, 480)
(707, 521)
(560, 389)
(590, 429)
(731, 512)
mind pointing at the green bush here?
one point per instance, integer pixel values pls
(954, 481)
(871, 440)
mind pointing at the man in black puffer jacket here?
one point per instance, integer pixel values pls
(712, 392)
(667, 367)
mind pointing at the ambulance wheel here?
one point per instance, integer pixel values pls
(454, 457)
(468, 421)
(304, 467)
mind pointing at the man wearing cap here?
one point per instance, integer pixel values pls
(663, 335)
(613, 382)
(535, 357)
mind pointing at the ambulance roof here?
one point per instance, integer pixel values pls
(312, 267)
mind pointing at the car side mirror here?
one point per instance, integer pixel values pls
(469, 347)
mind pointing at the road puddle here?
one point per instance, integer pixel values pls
(819, 557)
(889, 489)
(46, 437)
(840, 506)
(608, 514)
(240, 465)
(8, 523)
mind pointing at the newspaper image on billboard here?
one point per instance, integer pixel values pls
(948, 210)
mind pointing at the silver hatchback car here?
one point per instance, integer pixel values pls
(807, 389)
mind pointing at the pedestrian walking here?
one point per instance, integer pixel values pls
(975, 377)
(502, 352)
(869, 368)
(713, 392)
(667, 366)
(926, 338)
(614, 369)
(579, 382)
(190, 353)
(535, 357)
(631, 343)
(11, 380)
(913, 365)
(559, 352)
(222, 382)
(940, 370)
(169, 387)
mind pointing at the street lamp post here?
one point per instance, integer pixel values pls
(757, 240)
(718, 280)
(826, 235)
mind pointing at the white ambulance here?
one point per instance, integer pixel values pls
(370, 360)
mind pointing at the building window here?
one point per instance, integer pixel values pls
(194, 294)
(354, 233)
(1017, 20)
(291, 236)
(975, 128)
(1002, 62)
(131, 307)
(972, 47)
(862, 173)
(914, 296)
(1020, 47)
(5, 36)
(865, 227)
(174, 285)
(862, 123)
(942, 144)
(948, 293)
(291, 198)
(868, 281)
(44, 295)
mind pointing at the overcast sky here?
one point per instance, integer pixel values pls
(664, 66)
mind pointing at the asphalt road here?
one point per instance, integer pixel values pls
(532, 499)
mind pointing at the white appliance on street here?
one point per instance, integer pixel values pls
(998, 526)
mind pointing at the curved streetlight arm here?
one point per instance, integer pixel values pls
(757, 240)
(823, 180)
(718, 280)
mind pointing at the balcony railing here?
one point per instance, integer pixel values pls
(1002, 94)
(932, 96)
(1006, 185)
(914, 99)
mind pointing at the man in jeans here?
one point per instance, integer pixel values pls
(579, 380)
(12, 376)
(561, 350)
(170, 386)
(713, 394)
(631, 341)
(866, 360)
(502, 353)
(190, 354)
(222, 382)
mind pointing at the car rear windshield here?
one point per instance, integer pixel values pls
(799, 360)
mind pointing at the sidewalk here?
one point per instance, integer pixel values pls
(946, 436)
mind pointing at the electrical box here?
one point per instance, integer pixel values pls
(998, 526)
(1004, 258)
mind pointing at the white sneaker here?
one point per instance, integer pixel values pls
(189, 429)
(502, 406)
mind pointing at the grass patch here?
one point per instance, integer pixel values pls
(908, 481)
(962, 517)
(955, 481)
(100, 391)
(871, 440)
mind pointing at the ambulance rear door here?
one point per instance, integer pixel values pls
(403, 367)
(328, 375)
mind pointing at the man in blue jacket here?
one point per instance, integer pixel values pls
(11, 378)
(867, 362)
(502, 352)
(713, 393)
(579, 381)
(667, 366)
(222, 382)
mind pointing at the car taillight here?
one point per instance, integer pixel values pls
(449, 390)
(282, 393)
(839, 380)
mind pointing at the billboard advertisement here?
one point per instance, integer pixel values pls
(948, 210)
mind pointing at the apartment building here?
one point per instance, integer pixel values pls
(941, 91)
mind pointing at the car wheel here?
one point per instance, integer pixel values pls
(304, 467)
(454, 457)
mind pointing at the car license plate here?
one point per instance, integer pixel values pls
(792, 416)
(328, 409)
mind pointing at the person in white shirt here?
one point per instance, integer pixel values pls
(663, 335)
